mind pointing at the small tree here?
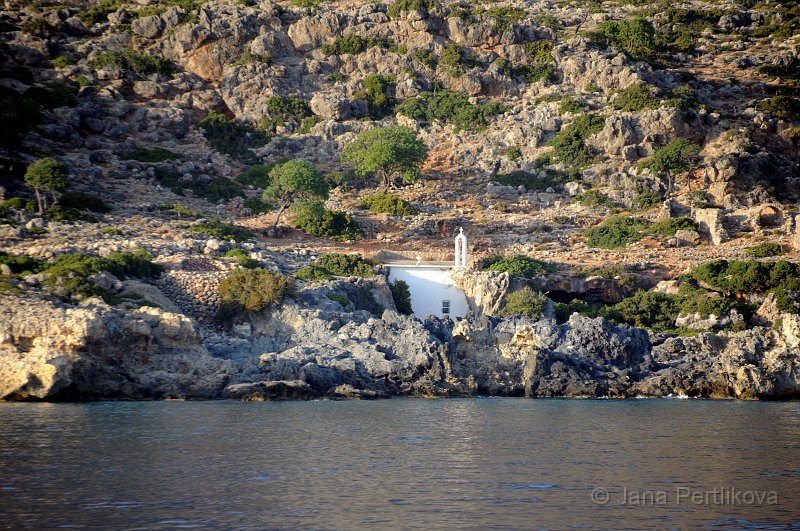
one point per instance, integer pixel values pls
(676, 157)
(402, 296)
(46, 175)
(390, 153)
(294, 180)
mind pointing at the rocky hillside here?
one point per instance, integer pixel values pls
(640, 160)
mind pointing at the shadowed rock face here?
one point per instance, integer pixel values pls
(96, 352)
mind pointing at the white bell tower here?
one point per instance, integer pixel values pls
(461, 249)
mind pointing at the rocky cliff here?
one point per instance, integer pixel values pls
(97, 352)
(543, 121)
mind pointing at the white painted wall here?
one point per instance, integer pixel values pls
(429, 286)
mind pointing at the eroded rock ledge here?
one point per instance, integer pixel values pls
(52, 352)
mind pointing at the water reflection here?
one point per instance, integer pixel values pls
(474, 463)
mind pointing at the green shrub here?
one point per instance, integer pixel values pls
(616, 232)
(517, 265)
(54, 94)
(426, 57)
(412, 5)
(635, 98)
(767, 249)
(223, 231)
(133, 62)
(156, 154)
(256, 176)
(535, 72)
(524, 302)
(387, 204)
(451, 55)
(698, 199)
(569, 146)
(571, 105)
(676, 157)
(379, 92)
(593, 198)
(231, 137)
(20, 265)
(504, 17)
(647, 199)
(401, 296)
(354, 45)
(16, 203)
(257, 205)
(83, 201)
(68, 275)
(449, 107)
(668, 227)
(750, 276)
(341, 299)
(248, 57)
(635, 36)
(313, 218)
(246, 291)
(69, 215)
(336, 264)
(782, 107)
(648, 309)
(99, 13)
(282, 110)
(532, 181)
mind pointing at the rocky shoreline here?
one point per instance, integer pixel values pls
(310, 349)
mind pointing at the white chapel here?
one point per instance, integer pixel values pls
(432, 289)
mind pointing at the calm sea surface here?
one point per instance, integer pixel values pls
(405, 463)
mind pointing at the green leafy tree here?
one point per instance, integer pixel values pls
(390, 153)
(676, 157)
(292, 181)
(47, 175)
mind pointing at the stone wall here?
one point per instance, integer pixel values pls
(193, 284)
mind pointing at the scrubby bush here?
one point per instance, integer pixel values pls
(256, 176)
(21, 264)
(569, 146)
(412, 5)
(156, 154)
(782, 107)
(378, 90)
(538, 182)
(647, 199)
(231, 137)
(256, 205)
(517, 265)
(616, 232)
(401, 296)
(525, 302)
(449, 107)
(223, 231)
(313, 218)
(99, 13)
(246, 291)
(70, 215)
(504, 17)
(82, 201)
(387, 204)
(296, 181)
(336, 264)
(535, 72)
(131, 61)
(341, 299)
(249, 57)
(750, 276)
(571, 105)
(634, 99)
(354, 45)
(68, 274)
(668, 227)
(767, 249)
(593, 198)
(636, 36)
(282, 110)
